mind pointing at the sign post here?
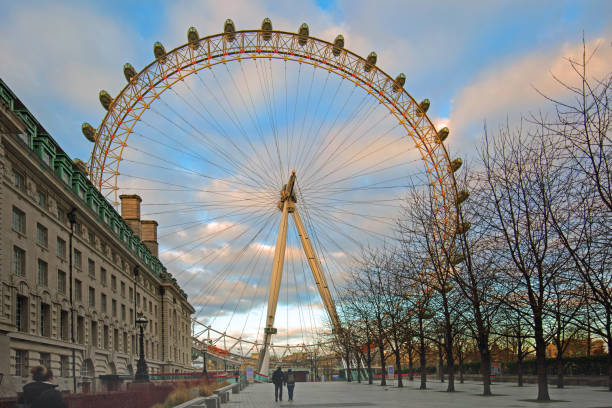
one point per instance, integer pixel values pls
(390, 373)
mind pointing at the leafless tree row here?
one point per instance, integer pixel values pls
(530, 262)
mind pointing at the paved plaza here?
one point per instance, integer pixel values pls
(324, 395)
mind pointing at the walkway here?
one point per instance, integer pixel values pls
(336, 394)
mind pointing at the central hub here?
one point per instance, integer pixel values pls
(288, 193)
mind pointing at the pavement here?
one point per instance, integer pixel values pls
(467, 395)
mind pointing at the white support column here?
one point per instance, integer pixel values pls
(275, 282)
(317, 270)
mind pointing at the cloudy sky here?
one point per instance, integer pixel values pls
(475, 60)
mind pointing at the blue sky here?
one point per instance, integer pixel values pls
(475, 60)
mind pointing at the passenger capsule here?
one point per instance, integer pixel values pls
(266, 28)
(462, 196)
(159, 51)
(230, 30)
(463, 227)
(442, 134)
(423, 107)
(105, 99)
(129, 72)
(193, 38)
(370, 62)
(88, 131)
(400, 80)
(456, 164)
(303, 33)
(338, 45)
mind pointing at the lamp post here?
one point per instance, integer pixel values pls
(142, 372)
(72, 219)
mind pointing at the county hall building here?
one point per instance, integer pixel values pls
(47, 207)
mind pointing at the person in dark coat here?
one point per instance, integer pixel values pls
(42, 392)
(278, 378)
(290, 381)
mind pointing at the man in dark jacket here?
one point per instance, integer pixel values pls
(290, 381)
(41, 393)
(277, 378)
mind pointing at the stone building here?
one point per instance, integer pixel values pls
(115, 270)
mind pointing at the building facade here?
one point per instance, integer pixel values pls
(71, 266)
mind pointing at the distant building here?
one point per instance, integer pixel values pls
(116, 272)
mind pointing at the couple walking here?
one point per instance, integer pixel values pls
(278, 378)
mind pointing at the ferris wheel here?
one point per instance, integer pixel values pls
(271, 159)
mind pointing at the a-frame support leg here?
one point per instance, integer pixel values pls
(275, 282)
(317, 270)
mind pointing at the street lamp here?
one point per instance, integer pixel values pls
(142, 372)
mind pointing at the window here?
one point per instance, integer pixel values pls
(45, 360)
(61, 281)
(122, 289)
(64, 325)
(103, 302)
(42, 235)
(21, 314)
(78, 258)
(78, 295)
(150, 306)
(94, 333)
(19, 221)
(21, 363)
(43, 273)
(86, 368)
(123, 316)
(61, 215)
(92, 238)
(133, 344)
(116, 340)
(103, 276)
(106, 337)
(114, 308)
(19, 181)
(131, 294)
(92, 297)
(64, 366)
(18, 261)
(45, 320)
(138, 299)
(91, 268)
(103, 248)
(131, 315)
(42, 199)
(125, 342)
(114, 283)
(80, 329)
(61, 248)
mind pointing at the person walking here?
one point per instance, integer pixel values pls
(290, 381)
(42, 392)
(278, 377)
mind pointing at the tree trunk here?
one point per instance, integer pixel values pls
(369, 362)
(358, 367)
(411, 365)
(519, 360)
(422, 357)
(440, 363)
(559, 366)
(541, 360)
(398, 366)
(450, 361)
(609, 339)
(485, 367)
(349, 377)
(460, 356)
(381, 350)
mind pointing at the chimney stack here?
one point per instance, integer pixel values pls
(130, 211)
(149, 235)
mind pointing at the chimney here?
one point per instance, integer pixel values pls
(149, 235)
(130, 211)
